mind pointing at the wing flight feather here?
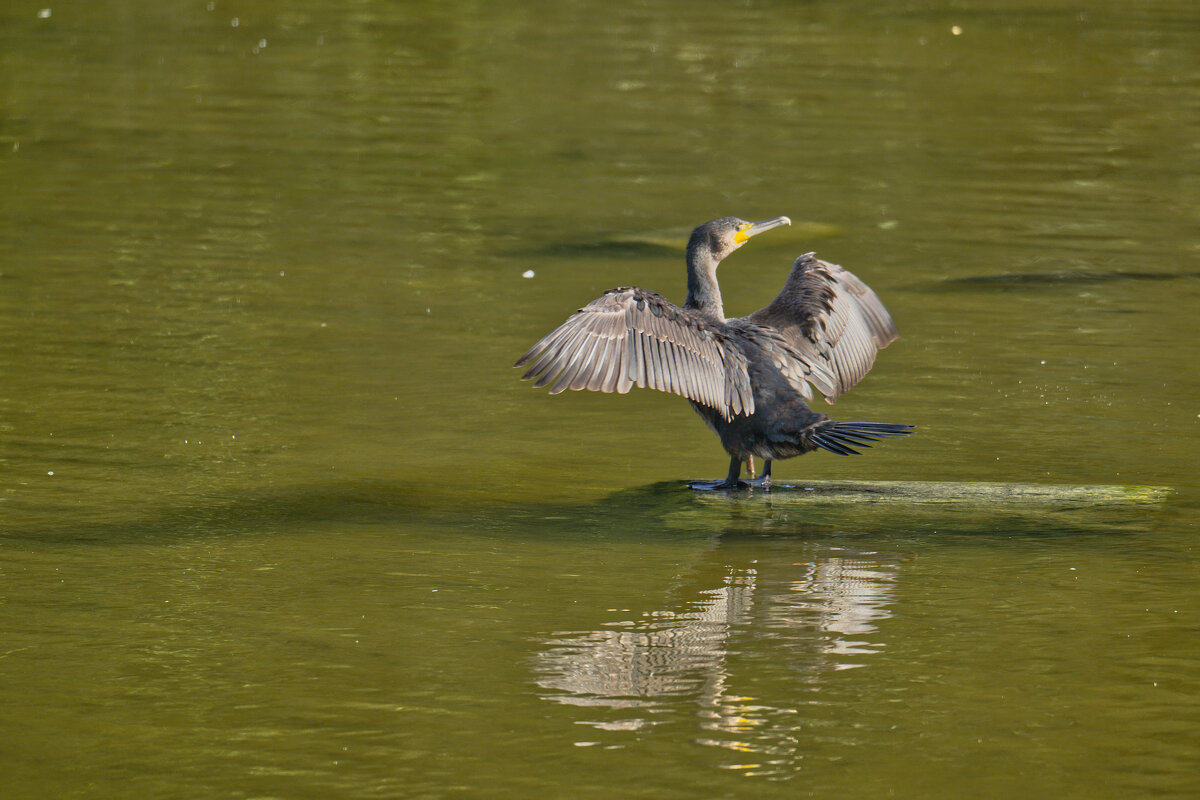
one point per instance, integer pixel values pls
(827, 326)
(629, 337)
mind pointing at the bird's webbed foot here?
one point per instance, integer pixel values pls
(733, 479)
(713, 486)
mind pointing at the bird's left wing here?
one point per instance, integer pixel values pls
(631, 337)
(829, 326)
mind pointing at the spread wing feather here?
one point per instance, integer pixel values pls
(825, 327)
(631, 337)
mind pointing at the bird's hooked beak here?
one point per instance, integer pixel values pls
(749, 229)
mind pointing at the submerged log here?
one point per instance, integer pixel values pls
(874, 507)
(970, 493)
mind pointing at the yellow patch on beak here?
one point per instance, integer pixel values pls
(748, 229)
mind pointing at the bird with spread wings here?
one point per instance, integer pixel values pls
(747, 377)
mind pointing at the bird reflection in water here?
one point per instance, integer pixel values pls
(815, 617)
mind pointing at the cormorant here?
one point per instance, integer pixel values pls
(749, 377)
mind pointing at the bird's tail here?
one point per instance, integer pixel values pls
(843, 437)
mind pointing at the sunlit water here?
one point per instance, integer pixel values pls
(279, 520)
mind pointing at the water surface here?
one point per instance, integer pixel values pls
(279, 520)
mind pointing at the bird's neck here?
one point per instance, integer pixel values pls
(704, 295)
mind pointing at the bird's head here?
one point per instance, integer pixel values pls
(720, 237)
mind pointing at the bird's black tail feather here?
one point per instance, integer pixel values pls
(843, 437)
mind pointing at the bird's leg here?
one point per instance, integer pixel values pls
(763, 480)
(731, 480)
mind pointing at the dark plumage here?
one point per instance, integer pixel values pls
(748, 378)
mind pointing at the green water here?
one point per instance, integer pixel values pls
(277, 519)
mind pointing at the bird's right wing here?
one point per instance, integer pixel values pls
(629, 337)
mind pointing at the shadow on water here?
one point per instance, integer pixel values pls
(672, 242)
(252, 512)
(598, 248)
(1064, 277)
